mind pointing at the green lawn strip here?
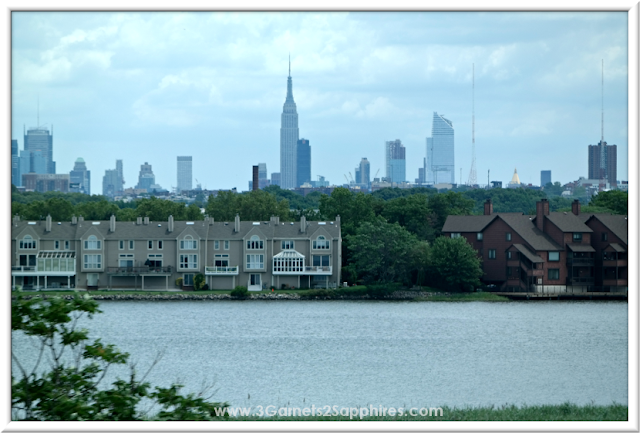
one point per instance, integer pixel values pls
(561, 412)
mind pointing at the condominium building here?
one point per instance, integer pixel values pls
(158, 254)
(440, 151)
(184, 174)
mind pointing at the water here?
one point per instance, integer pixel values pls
(352, 353)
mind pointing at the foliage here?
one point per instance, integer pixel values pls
(380, 291)
(454, 265)
(413, 213)
(240, 292)
(72, 389)
(616, 200)
(356, 291)
(256, 205)
(198, 282)
(179, 282)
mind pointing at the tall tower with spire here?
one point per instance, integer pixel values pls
(289, 135)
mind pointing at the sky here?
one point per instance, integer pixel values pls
(151, 86)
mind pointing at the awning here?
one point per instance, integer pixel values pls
(56, 255)
(580, 248)
(528, 254)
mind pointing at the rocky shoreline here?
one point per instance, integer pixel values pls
(396, 296)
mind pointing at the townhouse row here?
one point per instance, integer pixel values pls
(155, 254)
(548, 251)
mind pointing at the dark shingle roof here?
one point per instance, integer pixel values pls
(616, 223)
(530, 233)
(617, 247)
(568, 222)
(528, 254)
(467, 223)
(581, 248)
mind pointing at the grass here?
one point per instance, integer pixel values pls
(561, 412)
(463, 297)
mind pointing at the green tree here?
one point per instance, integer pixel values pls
(72, 390)
(97, 210)
(616, 200)
(444, 204)
(454, 265)
(413, 213)
(382, 252)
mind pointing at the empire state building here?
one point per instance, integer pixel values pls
(289, 135)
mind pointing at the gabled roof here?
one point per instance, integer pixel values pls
(617, 247)
(528, 254)
(616, 223)
(530, 233)
(568, 222)
(467, 223)
(581, 248)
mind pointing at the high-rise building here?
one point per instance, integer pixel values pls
(120, 180)
(15, 164)
(109, 183)
(38, 139)
(603, 162)
(289, 135)
(303, 162)
(362, 172)
(45, 182)
(545, 177)
(395, 158)
(184, 173)
(32, 162)
(275, 179)
(440, 151)
(80, 178)
(146, 178)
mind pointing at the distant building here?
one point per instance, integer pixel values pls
(603, 162)
(395, 158)
(275, 179)
(120, 181)
(15, 164)
(39, 139)
(146, 178)
(45, 182)
(303, 162)
(262, 175)
(32, 162)
(113, 182)
(363, 171)
(515, 180)
(289, 135)
(320, 183)
(80, 178)
(545, 177)
(496, 184)
(255, 183)
(440, 151)
(184, 173)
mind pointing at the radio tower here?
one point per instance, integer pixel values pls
(602, 102)
(473, 180)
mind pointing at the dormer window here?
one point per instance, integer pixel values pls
(188, 243)
(92, 243)
(321, 243)
(27, 243)
(255, 243)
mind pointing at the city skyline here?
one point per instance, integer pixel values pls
(359, 84)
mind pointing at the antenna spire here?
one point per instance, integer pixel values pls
(289, 64)
(38, 116)
(473, 178)
(602, 102)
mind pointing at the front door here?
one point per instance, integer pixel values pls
(92, 280)
(254, 283)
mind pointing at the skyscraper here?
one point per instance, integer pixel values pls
(38, 139)
(440, 155)
(146, 178)
(289, 135)
(15, 164)
(113, 182)
(184, 173)
(80, 178)
(32, 162)
(119, 185)
(395, 161)
(275, 179)
(603, 162)
(545, 177)
(303, 162)
(362, 172)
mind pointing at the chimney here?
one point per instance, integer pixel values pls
(542, 209)
(256, 181)
(16, 220)
(80, 219)
(112, 223)
(303, 224)
(575, 207)
(211, 221)
(47, 226)
(338, 220)
(237, 224)
(74, 220)
(488, 207)
(139, 221)
(146, 220)
(170, 227)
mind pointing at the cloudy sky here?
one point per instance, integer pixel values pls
(149, 86)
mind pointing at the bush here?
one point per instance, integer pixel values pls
(356, 291)
(198, 282)
(205, 287)
(179, 282)
(240, 292)
(380, 291)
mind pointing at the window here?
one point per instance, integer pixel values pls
(577, 237)
(187, 280)
(188, 243)
(149, 245)
(92, 243)
(254, 243)
(254, 279)
(27, 260)
(554, 274)
(132, 245)
(92, 261)
(508, 254)
(155, 260)
(479, 236)
(288, 245)
(66, 245)
(56, 245)
(492, 254)
(508, 272)
(188, 261)
(121, 245)
(159, 245)
(605, 236)
(255, 261)
(321, 260)
(507, 236)
(27, 243)
(216, 245)
(221, 260)
(554, 256)
(125, 260)
(226, 245)
(321, 243)
(455, 235)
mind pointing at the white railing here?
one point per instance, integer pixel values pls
(306, 270)
(23, 268)
(221, 270)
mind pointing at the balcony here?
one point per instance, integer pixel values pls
(617, 282)
(221, 270)
(131, 271)
(580, 281)
(614, 263)
(18, 270)
(580, 261)
(305, 270)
